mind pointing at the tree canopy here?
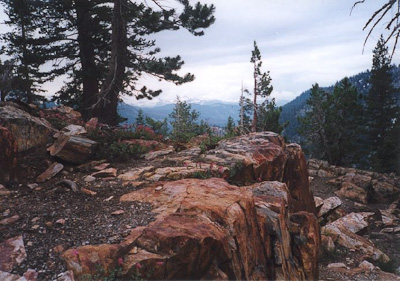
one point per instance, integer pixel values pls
(102, 46)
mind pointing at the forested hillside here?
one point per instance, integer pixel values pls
(296, 107)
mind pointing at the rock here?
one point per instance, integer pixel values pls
(318, 202)
(53, 170)
(9, 220)
(4, 191)
(28, 131)
(327, 244)
(264, 156)
(296, 178)
(88, 259)
(88, 192)
(391, 230)
(324, 174)
(384, 191)
(135, 174)
(156, 154)
(8, 156)
(12, 253)
(68, 183)
(353, 192)
(354, 222)
(89, 178)
(366, 265)
(220, 220)
(101, 167)
(69, 112)
(71, 130)
(60, 221)
(65, 276)
(110, 172)
(73, 149)
(329, 206)
(352, 241)
(91, 125)
(337, 265)
(118, 212)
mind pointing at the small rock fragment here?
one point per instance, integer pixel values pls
(337, 265)
(32, 186)
(118, 212)
(88, 192)
(109, 198)
(158, 188)
(60, 221)
(110, 172)
(53, 170)
(89, 178)
(9, 220)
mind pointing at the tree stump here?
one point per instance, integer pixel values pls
(8, 156)
(73, 149)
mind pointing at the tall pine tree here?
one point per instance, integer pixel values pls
(24, 44)
(262, 83)
(382, 111)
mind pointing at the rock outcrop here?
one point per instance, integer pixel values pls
(8, 156)
(28, 131)
(210, 229)
(358, 185)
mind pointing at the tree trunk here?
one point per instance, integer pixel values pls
(107, 101)
(254, 123)
(90, 81)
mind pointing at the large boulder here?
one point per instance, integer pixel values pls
(209, 229)
(8, 156)
(264, 156)
(28, 131)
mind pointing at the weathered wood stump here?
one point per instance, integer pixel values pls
(73, 149)
(8, 156)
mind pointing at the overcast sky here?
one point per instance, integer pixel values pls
(301, 42)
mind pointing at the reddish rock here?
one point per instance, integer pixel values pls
(73, 149)
(12, 253)
(353, 192)
(8, 156)
(53, 170)
(91, 125)
(88, 259)
(28, 131)
(296, 178)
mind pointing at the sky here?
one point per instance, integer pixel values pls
(302, 42)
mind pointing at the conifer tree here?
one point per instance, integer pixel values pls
(268, 117)
(183, 121)
(262, 83)
(23, 45)
(230, 127)
(313, 123)
(343, 124)
(382, 111)
(140, 119)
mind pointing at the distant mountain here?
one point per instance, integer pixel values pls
(297, 107)
(214, 113)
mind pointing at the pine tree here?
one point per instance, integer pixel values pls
(382, 111)
(230, 127)
(23, 46)
(111, 65)
(343, 124)
(140, 119)
(268, 117)
(262, 83)
(183, 121)
(313, 124)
